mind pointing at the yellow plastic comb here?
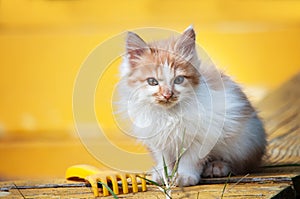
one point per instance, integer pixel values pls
(94, 175)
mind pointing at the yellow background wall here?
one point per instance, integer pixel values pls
(44, 42)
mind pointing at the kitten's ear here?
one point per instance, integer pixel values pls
(190, 33)
(186, 42)
(135, 46)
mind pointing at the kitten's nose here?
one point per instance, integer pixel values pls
(167, 95)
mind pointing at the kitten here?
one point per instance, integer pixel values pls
(177, 102)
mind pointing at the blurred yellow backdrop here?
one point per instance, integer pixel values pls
(44, 42)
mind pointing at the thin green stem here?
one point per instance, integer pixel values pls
(225, 185)
(109, 189)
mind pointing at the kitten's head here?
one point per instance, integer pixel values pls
(164, 72)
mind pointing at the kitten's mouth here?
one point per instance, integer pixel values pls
(167, 103)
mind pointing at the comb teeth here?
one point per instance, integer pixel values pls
(113, 179)
(94, 175)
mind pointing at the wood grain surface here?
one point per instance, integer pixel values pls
(280, 111)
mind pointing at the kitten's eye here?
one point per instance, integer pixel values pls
(152, 81)
(178, 80)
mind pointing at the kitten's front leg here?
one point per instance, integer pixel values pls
(189, 170)
(158, 172)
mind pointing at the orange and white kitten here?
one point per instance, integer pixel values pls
(177, 102)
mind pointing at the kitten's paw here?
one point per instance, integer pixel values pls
(216, 169)
(187, 179)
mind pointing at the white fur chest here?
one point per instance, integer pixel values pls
(158, 127)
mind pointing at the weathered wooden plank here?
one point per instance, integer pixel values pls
(280, 111)
(241, 190)
(51, 193)
(270, 182)
(46, 189)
